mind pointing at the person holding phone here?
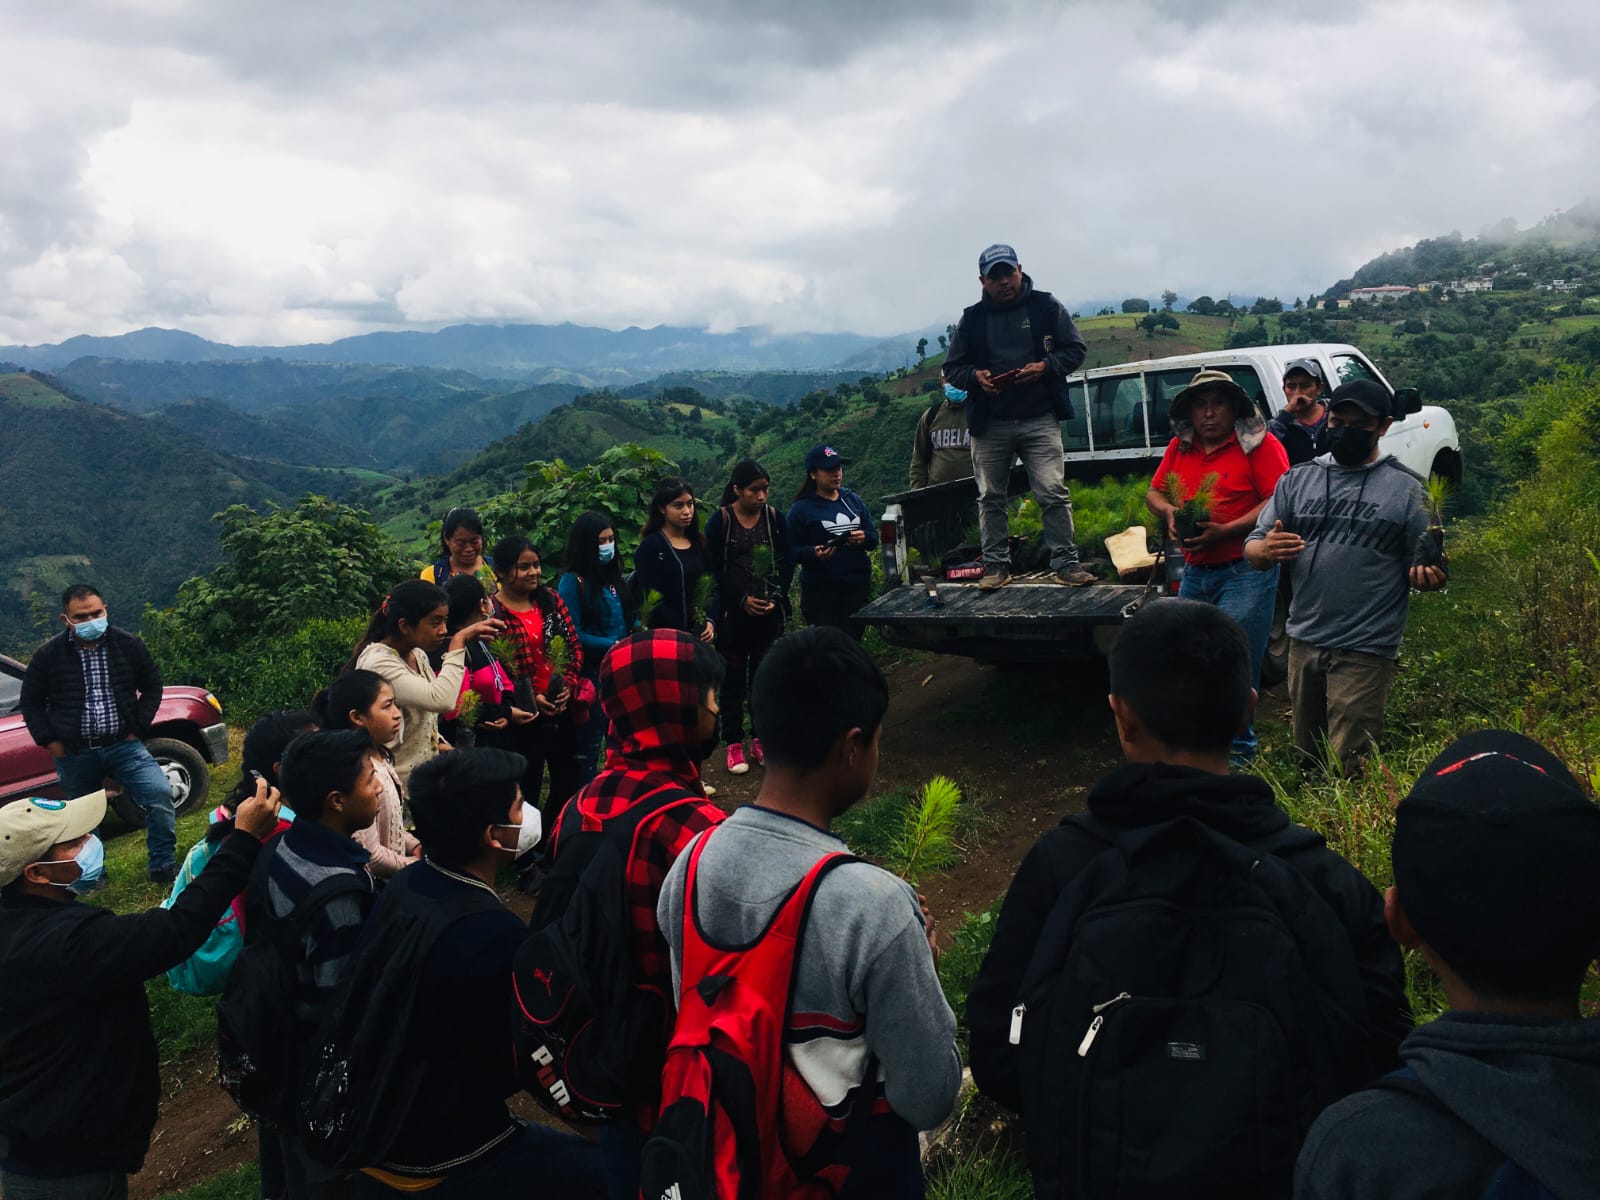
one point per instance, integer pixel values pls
(830, 535)
(1011, 354)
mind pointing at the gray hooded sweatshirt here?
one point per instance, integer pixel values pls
(1502, 1088)
(1352, 581)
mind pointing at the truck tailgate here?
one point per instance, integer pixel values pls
(1029, 618)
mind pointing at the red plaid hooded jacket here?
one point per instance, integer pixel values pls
(649, 694)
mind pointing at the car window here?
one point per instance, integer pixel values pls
(1167, 384)
(1075, 429)
(1117, 412)
(10, 693)
(1348, 367)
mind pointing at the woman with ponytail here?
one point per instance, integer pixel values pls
(748, 548)
(364, 700)
(409, 624)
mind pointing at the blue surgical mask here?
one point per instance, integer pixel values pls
(608, 551)
(91, 860)
(954, 394)
(92, 631)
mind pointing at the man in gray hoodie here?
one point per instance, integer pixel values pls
(1346, 525)
(1494, 853)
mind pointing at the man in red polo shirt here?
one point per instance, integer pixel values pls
(1218, 433)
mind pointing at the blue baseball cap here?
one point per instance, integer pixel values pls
(824, 458)
(995, 255)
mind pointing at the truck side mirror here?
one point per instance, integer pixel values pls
(1406, 402)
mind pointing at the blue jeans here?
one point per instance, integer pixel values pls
(93, 1185)
(621, 1149)
(130, 764)
(1037, 441)
(1246, 595)
(591, 737)
(534, 1162)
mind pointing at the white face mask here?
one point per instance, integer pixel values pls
(529, 832)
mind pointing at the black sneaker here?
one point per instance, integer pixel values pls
(1073, 575)
(994, 578)
(164, 874)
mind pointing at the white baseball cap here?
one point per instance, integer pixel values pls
(30, 827)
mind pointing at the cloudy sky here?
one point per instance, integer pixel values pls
(286, 172)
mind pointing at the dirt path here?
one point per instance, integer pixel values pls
(1023, 745)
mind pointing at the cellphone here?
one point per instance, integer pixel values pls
(1005, 378)
(258, 775)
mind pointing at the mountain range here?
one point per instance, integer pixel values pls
(566, 353)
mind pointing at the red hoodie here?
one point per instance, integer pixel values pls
(649, 694)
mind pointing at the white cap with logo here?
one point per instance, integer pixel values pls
(30, 827)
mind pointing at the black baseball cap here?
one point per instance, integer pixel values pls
(1494, 856)
(824, 458)
(1370, 396)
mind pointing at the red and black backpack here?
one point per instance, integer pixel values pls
(738, 1122)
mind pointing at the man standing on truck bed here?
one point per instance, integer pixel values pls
(1347, 528)
(1011, 354)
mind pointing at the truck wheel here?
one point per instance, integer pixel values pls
(185, 769)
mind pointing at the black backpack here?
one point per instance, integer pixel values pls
(259, 1027)
(1191, 1006)
(589, 1042)
(359, 1076)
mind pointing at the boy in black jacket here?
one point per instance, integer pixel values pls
(1180, 690)
(1494, 853)
(79, 1080)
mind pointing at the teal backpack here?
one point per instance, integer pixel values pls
(205, 972)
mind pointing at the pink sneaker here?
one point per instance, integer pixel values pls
(736, 762)
(755, 752)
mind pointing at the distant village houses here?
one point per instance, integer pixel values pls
(1388, 291)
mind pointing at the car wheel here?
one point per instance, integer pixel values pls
(185, 768)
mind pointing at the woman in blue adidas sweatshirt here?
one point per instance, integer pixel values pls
(830, 536)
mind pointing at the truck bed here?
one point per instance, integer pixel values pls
(1031, 619)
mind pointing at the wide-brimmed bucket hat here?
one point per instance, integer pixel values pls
(1206, 378)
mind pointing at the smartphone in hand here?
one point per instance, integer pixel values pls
(1005, 378)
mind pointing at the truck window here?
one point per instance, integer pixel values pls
(1117, 412)
(1075, 430)
(1348, 367)
(1167, 384)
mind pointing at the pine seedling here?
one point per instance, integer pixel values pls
(761, 563)
(1437, 491)
(927, 838)
(467, 711)
(504, 649)
(702, 600)
(647, 610)
(559, 656)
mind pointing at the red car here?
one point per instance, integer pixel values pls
(187, 738)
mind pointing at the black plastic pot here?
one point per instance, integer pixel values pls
(1429, 550)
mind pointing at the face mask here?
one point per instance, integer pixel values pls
(529, 832)
(91, 860)
(92, 631)
(608, 551)
(1351, 447)
(954, 394)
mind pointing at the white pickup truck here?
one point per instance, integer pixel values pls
(1119, 428)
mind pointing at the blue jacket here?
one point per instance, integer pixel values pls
(812, 522)
(595, 637)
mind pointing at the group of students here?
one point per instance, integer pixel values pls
(1185, 994)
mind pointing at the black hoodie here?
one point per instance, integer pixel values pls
(1138, 795)
(1502, 1088)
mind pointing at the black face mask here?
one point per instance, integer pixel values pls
(1350, 446)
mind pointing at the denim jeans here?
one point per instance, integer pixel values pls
(1037, 441)
(131, 765)
(93, 1185)
(621, 1149)
(1246, 595)
(535, 1162)
(590, 739)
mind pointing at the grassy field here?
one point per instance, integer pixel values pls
(24, 389)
